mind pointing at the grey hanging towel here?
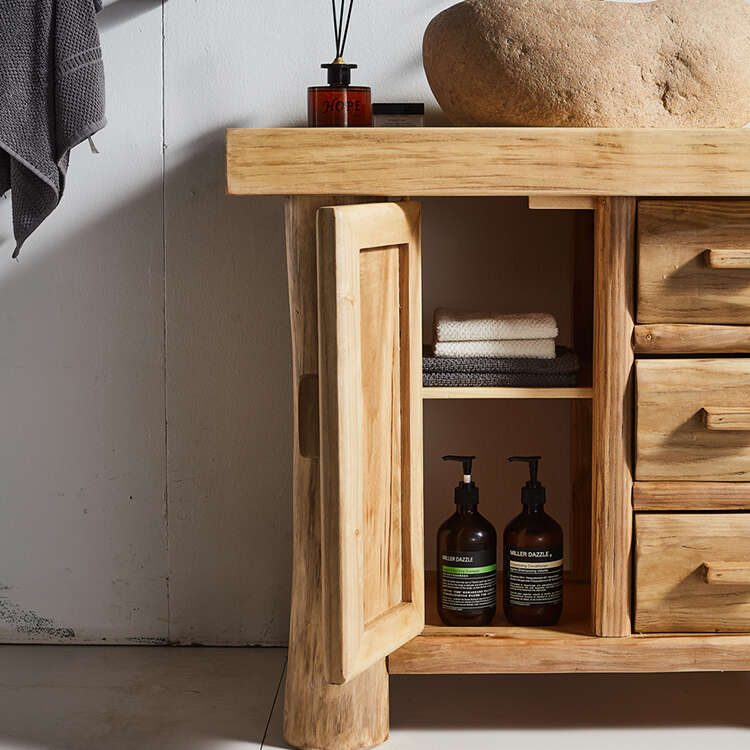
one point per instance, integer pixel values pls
(51, 99)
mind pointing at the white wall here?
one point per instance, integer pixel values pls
(145, 490)
(82, 472)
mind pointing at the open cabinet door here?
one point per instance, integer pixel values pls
(370, 360)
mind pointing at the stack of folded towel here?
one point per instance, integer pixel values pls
(495, 350)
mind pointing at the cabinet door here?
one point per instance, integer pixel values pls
(370, 364)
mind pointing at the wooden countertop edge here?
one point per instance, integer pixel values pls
(489, 161)
(662, 652)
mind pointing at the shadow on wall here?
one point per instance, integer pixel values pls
(116, 12)
(228, 404)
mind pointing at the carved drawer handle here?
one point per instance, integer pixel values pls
(726, 418)
(723, 258)
(727, 574)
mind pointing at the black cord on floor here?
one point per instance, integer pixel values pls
(273, 705)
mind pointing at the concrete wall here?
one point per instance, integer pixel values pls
(144, 359)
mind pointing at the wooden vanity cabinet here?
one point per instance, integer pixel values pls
(660, 424)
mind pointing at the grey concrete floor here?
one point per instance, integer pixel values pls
(144, 698)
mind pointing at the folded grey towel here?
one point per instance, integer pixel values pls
(497, 380)
(565, 363)
(51, 99)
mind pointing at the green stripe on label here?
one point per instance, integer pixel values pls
(484, 569)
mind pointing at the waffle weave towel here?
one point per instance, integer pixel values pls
(447, 372)
(526, 348)
(461, 325)
(497, 380)
(565, 363)
(51, 99)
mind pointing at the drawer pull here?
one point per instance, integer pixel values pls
(727, 574)
(727, 418)
(722, 258)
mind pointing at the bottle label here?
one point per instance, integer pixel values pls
(534, 576)
(468, 580)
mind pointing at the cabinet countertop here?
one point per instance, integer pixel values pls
(488, 161)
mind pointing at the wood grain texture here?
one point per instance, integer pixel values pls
(672, 551)
(679, 338)
(691, 496)
(316, 713)
(727, 258)
(568, 647)
(458, 654)
(488, 161)
(562, 202)
(381, 461)
(369, 326)
(505, 393)
(582, 325)
(614, 267)
(672, 442)
(675, 284)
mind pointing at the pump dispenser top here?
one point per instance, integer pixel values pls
(533, 493)
(466, 493)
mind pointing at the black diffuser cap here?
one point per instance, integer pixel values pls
(339, 72)
(467, 493)
(532, 493)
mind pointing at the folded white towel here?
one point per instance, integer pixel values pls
(527, 348)
(462, 325)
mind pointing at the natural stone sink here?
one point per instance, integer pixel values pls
(592, 63)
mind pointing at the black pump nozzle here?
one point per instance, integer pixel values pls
(533, 493)
(467, 493)
(465, 460)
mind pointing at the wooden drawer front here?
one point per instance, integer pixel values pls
(694, 262)
(693, 419)
(692, 572)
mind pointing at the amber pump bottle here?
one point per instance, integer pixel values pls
(466, 558)
(532, 558)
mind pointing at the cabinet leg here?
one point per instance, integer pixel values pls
(316, 714)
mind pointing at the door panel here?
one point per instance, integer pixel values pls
(369, 321)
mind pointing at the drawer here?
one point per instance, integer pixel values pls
(694, 262)
(693, 419)
(692, 572)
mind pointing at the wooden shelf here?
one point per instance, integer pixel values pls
(575, 621)
(488, 161)
(505, 393)
(565, 648)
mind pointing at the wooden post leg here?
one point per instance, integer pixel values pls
(612, 514)
(316, 714)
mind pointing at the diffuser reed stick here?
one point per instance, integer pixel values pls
(338, 25)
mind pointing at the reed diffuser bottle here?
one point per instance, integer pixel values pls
(339, 104)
